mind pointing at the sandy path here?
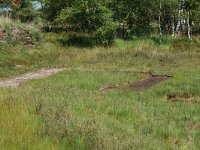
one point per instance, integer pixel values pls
(13, 82)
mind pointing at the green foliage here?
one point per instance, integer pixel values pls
(91, 17)
(194, 7)
(105, 35)
(52, 8)
(130, 17)
(87, 15)
(169, 15)
(20, 9)
(25, 12)
(4, 3)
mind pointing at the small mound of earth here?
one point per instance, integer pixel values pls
(181, 97)
(15, 35)
(149, 82)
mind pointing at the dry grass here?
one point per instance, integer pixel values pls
(6, 21)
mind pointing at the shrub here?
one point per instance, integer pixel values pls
(91, 17)
(55, 119)
(62, 126)
(105, 35)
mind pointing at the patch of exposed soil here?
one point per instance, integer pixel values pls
(140, 85)
(148, 82)
(16, 36)
(194, 126)
(110, 88)
(181, 97)
(28, 76)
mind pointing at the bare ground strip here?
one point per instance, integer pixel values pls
(137, 86)
(149, 82)
(141, 85)
(29, 76)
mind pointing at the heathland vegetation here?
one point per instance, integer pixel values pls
(108, 49)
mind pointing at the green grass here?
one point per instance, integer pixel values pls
(18, 127)
(144, 56)
(68, 111)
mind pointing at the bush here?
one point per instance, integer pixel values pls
(91, 17)
(62, 126)
(55, 119)
(105, 35)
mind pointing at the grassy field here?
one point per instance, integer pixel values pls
(68, 111)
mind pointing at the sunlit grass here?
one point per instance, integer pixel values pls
(70, 110)
(19, 127)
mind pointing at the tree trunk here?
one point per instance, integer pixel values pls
(181, 17)
(173, 26)
(160, 28)
(189, 26)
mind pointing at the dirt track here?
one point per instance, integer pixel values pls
(137, 86)
(29, 76)
(148, 82)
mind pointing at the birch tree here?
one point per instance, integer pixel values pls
(135, 17)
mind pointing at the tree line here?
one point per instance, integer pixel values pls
(107, 19)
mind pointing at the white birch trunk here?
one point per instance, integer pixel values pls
(181, 17)
(179, 21)
(160, 29)
(189, 26)
(173, 27)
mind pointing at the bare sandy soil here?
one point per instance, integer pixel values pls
(13, 82)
